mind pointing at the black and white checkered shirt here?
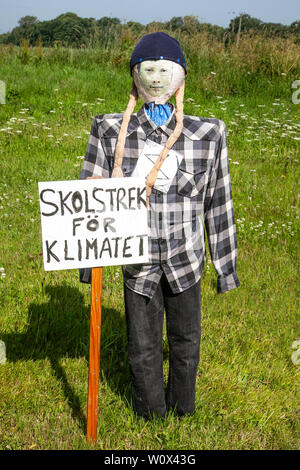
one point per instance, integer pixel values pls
(199, 198)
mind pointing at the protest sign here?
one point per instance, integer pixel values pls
(96, 222)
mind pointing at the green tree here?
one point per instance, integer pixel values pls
(245, 22)
(276, 29)
(28, 29)
(191, 24)
(175, 23)
(109, 30)
(295, 27)
(135, 27)
(27, 21)
(108, 22)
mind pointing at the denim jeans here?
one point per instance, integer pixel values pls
(144, 319)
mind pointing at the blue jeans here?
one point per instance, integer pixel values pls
(144, 319)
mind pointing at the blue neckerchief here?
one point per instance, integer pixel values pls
(158, 113)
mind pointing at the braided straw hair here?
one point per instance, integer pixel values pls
(117, 171)
(119, 153)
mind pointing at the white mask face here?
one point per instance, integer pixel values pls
(156, 76)
(157, 80)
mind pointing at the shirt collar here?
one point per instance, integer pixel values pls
(145, 125)
(193, 129)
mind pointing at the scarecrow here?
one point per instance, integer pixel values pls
(184, 161)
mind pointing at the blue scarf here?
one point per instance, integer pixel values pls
(158, 113)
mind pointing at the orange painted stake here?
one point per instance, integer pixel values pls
(94, 359)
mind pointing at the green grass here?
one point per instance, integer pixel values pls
(247, 383)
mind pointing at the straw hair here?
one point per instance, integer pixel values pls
(117, 171)
(151, 178)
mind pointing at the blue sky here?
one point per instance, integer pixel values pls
(215, 12)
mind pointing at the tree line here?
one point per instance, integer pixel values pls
(70, 30)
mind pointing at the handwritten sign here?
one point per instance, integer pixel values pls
(90, 223)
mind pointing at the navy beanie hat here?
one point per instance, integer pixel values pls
(157, 46)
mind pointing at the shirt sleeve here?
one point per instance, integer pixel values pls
(219, 218)
(95, 161)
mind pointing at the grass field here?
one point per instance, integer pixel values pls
(247, 384)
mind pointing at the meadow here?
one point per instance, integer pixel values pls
(247, 382)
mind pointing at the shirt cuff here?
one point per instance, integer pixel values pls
(85, 275)
(227, 282)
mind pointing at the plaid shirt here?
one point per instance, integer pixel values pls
(199, 198)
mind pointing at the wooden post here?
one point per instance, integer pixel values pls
(94, 359)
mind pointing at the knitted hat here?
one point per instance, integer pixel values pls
(157, 46)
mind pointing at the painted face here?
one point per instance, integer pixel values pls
(156, 76)
(157, 80)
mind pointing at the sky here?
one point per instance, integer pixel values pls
(216, 12)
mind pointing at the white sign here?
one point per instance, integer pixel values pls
(96, 222)
(168, 169)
